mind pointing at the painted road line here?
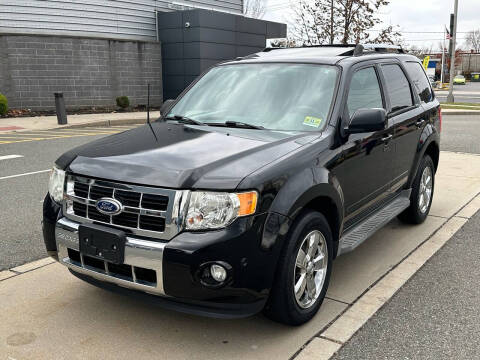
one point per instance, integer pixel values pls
(19, 137)
(24, 174)
(7, 157)
(13, 141)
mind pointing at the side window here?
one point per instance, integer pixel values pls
(364, 92)
(420, 80)
(398, 87)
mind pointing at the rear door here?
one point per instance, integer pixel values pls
(407, 116)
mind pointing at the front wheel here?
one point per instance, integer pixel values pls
(422, 193)
(303, 271)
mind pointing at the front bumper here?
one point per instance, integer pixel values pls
(251, 246)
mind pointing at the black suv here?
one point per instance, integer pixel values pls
(240, 197)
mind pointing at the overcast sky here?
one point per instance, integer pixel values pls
(413, 17)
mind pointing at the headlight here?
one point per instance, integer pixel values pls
(212, 210)
(55, 185)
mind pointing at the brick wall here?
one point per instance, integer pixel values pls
(90, 72)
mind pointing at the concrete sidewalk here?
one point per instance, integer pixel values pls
(47, 313)
(84, 120)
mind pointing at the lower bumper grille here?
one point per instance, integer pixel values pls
(126, 272)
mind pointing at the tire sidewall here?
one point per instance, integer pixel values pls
(426, 162)
(308, 222)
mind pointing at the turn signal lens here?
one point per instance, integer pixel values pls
(248, 203)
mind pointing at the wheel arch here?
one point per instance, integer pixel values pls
(323, 194)
(429, 144)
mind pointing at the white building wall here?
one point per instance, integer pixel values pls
(113, 19)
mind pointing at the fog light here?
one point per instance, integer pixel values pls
(218, 272)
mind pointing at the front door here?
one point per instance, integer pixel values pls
(365, 171)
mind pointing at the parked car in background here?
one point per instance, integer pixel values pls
(459, 80)
(240, 197)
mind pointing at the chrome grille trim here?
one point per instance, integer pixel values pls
(138, 253)
(173, 216)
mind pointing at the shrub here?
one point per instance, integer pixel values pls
(123, 102)
(3, 105)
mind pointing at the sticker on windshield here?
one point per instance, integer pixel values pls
(312, 121)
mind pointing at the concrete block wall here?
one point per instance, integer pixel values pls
(194, 40)
(90, 72)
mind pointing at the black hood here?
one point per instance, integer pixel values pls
(181, 156)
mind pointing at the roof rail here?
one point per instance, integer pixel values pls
(361, 49)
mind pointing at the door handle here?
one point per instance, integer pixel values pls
(420, 123)
(387, 138)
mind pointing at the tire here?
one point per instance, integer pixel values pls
(416, 213)
(283, 305)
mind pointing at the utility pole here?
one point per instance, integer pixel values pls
(442, 74)
(450, 98)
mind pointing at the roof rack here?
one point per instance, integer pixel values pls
(356, 49)
(361, 49)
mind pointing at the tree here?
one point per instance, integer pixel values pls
(255, 8)
(345, 21)
(473, 40)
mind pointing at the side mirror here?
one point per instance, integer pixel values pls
(367, 120)
(167, 104)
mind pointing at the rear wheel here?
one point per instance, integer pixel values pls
(303, 272)
(422, 193)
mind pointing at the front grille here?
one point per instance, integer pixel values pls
(146, 211)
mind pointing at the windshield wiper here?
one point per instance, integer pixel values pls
(237, 124)
(184, 120)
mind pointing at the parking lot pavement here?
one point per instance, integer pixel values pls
(469, 93)
(46, 312)
(435, 315)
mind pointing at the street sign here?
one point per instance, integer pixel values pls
(426, 61)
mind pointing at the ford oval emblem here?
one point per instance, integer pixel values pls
(109, 206)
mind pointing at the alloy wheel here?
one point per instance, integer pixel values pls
(310, 269)
(426, 189)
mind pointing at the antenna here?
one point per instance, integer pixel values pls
(148, 103)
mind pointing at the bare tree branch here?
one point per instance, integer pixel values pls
(255, 8)
(473, 40)
(344, 21)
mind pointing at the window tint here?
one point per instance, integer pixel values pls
(398, 87)
(364, 92)
(420, 80)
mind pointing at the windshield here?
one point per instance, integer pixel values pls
(286, 97)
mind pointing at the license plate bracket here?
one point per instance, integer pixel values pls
(102, 242)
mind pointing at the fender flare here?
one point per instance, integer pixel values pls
(429, 135)
(320, 183)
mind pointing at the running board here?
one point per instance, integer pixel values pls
(361, 232)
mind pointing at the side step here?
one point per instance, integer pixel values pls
(361, 232)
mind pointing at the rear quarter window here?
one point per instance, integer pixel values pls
(420, 80)
(398, 87)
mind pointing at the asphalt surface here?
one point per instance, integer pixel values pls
(461, 133)
(458, 92)
(435, 315)
(21, 197)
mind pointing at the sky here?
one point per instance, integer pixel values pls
(421, 21)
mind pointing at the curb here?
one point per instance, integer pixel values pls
(446, 112)
(326, 343)
(101, 123)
